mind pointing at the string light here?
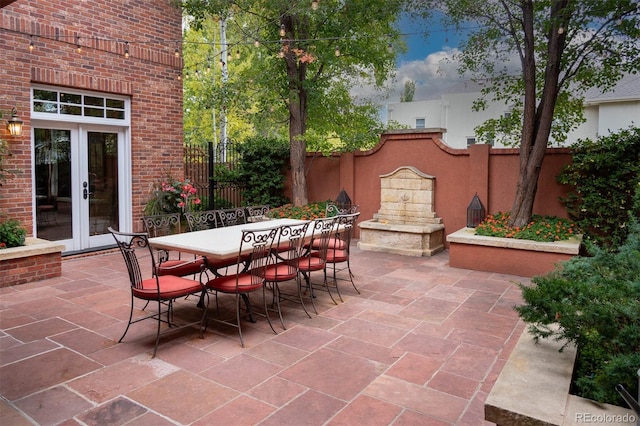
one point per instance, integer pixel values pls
(314, 4)
(238, 54)
(283, 30)
(31, 47)
(256, 43)
(337, 52)
(78, 47)
(126, 49)
(176, 53)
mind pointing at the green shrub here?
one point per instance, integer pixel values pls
(605, 175)
(262, 170)
(12, 234)
(596, 303)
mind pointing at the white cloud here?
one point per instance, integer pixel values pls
(432, 74)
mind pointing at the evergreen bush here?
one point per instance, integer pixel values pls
(262, 169)
(595, 301)
(605, 176)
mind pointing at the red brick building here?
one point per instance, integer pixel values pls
(97, 86)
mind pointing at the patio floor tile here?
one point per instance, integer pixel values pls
(422, 344)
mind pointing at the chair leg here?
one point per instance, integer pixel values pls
(351, 277)
(275, 301)
(299, 285)
(335, 280)
(130, 318)
(238, 318)
(307, 280)
(155, 350)
(326, 286)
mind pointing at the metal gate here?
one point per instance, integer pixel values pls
(215, 179)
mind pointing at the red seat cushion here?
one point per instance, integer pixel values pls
(311, 263)
(227, 284)
(334, 243)
(337, 256)
(171, 287)
(180, 268)
(280, 272)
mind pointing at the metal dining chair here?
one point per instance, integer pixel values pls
(339, 249)
(255, 245)
(163, 289)
(287, 251)
(168, 224)
(315, 256)
(201, 220)
(230, 217)
(256, 213)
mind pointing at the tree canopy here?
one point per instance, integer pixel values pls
(298, 66)
(540, 57)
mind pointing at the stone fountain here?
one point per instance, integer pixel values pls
(406, 222)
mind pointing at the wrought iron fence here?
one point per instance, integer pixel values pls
(215, 178)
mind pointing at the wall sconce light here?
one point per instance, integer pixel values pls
(14, 124)
(475, 212)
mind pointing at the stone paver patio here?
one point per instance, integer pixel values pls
(422, 345)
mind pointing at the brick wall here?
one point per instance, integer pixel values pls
(149, 76)
(30, 269)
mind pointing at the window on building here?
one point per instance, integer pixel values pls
(471, 140)
(65, 103)
(420, 123)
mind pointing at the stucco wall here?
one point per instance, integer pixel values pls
(459, 174)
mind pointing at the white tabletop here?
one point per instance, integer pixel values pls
(218, 243)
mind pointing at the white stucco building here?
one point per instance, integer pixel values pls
(452, 110)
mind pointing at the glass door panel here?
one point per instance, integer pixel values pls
(54, 212)
(101, 189)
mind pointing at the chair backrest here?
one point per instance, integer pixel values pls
(340, 209)
(256, 213)
(129, 244)
(256, 245)
(162, 224)
(230, 217)
(322, 231)
(345, 226)
(290, 242)
(201, 220)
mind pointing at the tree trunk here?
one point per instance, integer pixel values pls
(297, 127)
(537, 121)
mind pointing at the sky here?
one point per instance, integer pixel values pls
(426, 62)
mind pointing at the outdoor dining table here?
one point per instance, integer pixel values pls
(216, 244)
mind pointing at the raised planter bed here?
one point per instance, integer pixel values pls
(533, 389)
(524, 258)
(37, 260)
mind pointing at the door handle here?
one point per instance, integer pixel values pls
(85, 191)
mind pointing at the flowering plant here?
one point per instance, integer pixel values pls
(12, 234)
(172, 196)
(541, 228)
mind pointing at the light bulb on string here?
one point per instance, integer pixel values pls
(238, 54)
(283, 31)
(314, 4)
(126, 49)
(177, 52)
(78, 47)
(281, 53)
(31, 47)
(337, 51)
(256, 43)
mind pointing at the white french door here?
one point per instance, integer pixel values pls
(82, 183)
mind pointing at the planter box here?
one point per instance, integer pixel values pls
(533, 389)
(524, 258)
(37, 260)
